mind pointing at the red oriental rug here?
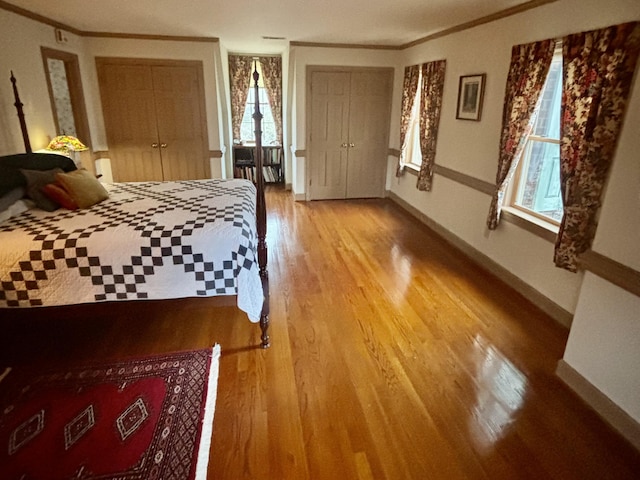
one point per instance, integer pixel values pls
(145, 418)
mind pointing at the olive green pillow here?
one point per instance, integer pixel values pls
(83, 187)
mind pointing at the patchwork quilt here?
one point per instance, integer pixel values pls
(151, 240)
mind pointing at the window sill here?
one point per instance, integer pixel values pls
(412, 169)
(538, 227)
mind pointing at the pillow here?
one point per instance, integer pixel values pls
(36, 179)
(11, 197)
(59, 195)
(10, 165)
(83, 187)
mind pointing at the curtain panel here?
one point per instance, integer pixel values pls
(409, 90)
(527, 73)
(598, 69)
(239, 81)
(431, 103)
(272, 78)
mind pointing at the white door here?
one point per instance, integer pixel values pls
(349, 132)
(329, 134)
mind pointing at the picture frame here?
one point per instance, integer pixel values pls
(470, 96)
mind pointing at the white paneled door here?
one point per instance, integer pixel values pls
(348, 132)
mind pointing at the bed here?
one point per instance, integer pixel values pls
(140, 241)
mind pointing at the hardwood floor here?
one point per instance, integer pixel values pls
(393, 357)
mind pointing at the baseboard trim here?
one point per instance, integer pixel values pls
(555, 311)
(620, 420)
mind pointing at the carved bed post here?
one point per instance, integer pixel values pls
(261, 214)
(23, 124)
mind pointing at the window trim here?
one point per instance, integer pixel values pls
(536, 223)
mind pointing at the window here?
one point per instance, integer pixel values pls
(414, 152)
(536, 189)
(268, 125)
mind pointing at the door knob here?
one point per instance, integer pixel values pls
(344, 145)
(154, 145)
(352, 145)
(163, 145)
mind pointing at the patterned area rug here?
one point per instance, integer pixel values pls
(144, 418)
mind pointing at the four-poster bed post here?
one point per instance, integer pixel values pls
(261, 212)
(23, 123)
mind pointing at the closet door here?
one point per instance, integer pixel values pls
(349, 111)
(369, 114)
(155, 119)
(129, 111)
(329, 134)
(182, 132)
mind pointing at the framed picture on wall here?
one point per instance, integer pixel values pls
(470, 94)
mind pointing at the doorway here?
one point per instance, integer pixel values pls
(62, 71)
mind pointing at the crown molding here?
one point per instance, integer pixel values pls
(68, 28)
(448, 31)
(480, 21)
(345, 45)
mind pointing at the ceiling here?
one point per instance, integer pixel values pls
(241, 24)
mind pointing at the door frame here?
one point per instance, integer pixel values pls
(308, 104)
(76, 94)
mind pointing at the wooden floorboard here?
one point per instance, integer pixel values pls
(393, 357)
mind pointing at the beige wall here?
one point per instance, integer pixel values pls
(21, 40)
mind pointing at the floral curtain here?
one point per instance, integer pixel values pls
(527, 74)
(598, 68)
(409, 89)
(431, 102)
(272, 78)
(239, 80)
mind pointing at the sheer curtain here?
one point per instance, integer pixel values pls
(431, 102)
(272, 78)
(240, 81)
(598, 68)
(527, 74)
(409, 89)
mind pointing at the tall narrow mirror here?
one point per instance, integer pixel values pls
(65, 91)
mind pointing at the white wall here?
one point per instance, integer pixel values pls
(604, 342)
(21, 40)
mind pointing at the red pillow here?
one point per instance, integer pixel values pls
(59, 195)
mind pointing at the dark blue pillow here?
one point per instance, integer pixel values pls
(10, 165)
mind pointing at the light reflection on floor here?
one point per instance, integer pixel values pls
(402, 272)
(500, 393)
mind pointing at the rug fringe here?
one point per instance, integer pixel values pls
(5, 373)
(202, 462)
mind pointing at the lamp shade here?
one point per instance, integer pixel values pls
(66, 143)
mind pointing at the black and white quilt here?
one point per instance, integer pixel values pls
(151, 240)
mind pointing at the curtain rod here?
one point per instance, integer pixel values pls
(255, 55)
